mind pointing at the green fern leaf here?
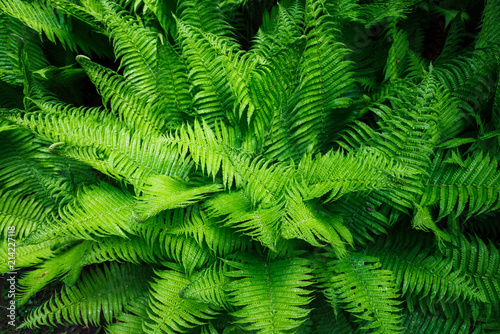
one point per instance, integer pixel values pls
(368, 291)
(162, 193)
(208, 287)
(170, 312)
(261, 291)
(104, 290)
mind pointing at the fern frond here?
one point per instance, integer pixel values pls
(135, 106)
(452, 187)
(260, 223)
(170, 312)
(220, 240)
(60, 264)
(419, 322)
(205, 15)
(132, 320)
(43, 19)
(310, 222)
(422, 273)
(324, 81)
(98, 210)
(338, 174)
(20, 212)
(172, 82)
(181, 249)
(368, 291)
(212, 98)
(163, 193)
(115, 150)
(270, 295)
(29, 255)
(30, 169)
(208, 286)
(134, 45)
(481, 263)
(212, 150)
(104, 290)
(396, 60)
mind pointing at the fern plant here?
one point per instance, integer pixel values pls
(252, 166)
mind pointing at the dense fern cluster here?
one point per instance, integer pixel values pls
(250, 166)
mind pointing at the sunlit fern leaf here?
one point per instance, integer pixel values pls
(212, 150)
(168, 311)
(135, 250)
(82, 11)
(163, 193)
(21, 213)
(396, 60)
(208, 286)
(61, 263)
(368, 291)
(270, 295)
(104, 290)
(422, 220)
(316, 225)
(475, 185)
(98, 210)
(337, 174)
(131, 321)
(121, 152)
(481, 263)
(263, 182)
(421, 272)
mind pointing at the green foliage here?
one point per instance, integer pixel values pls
(216, 166)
